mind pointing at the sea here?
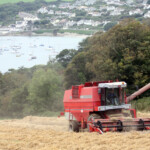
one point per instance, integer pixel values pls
(24, 51)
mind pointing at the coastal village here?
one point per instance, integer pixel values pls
(80, 15)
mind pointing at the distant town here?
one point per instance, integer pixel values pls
(80, 16)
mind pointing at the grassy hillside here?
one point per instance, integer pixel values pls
(50, 0)
(16, 1)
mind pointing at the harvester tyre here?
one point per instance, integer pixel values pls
(91, 118)
(73, 126)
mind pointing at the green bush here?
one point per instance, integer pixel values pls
(142, 104)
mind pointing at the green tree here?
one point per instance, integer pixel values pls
(65, 56)
(121, 53)
(109, 26)
(76, 72)
(45, 91)
(18, 102)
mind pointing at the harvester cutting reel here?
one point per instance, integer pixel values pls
(105, 125)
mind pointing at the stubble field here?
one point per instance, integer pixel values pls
(44, 133)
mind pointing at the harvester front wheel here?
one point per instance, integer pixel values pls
(91, 118)
(73, 126)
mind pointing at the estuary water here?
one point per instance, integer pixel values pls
(23, 51)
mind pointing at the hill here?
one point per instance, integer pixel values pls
(73, 16)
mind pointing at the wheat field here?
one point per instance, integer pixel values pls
(51, 133)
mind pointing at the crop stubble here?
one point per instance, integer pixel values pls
(43, 133)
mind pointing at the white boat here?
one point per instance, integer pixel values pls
(50, 48)
(33, 46)
(32, 57)
(6, 49)
(14, 52)
(18, 55)
(15, 47)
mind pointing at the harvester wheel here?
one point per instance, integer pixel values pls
(91, 118)
(73, 126)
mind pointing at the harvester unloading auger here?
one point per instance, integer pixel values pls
(102, 107)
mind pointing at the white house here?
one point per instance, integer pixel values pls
(129, 2)
(51, 12)
(58, 12)
(88, 22)
(71, 15)
(31, 18)
(16, 29)
(96, 23)
(55, 22)
(147, 15)
(145, 2)
(90, 2)
(82, 7)
(4, 31)
(70, 23)
(136, 11)
(105, 22)
(64, 5)
(52, 6)
(80, 22)
(95, 14)
(65, 13)
(114, 2)
(115, 13)
(109, 8)
(43, 10)
(21, 24)
(102, 8)
(147, 6)
(28, 17)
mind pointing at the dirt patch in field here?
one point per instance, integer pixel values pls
(44, 133)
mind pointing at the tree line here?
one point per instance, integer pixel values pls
(31, 91)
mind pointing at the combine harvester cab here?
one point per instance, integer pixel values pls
(102, 107)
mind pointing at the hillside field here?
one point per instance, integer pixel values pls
(16, 1)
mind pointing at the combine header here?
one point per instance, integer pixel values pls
(102, 107)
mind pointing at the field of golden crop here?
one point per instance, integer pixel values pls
(43, 133)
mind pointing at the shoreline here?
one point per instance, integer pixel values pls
(47, 34)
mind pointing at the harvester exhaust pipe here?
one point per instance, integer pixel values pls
(139, 92)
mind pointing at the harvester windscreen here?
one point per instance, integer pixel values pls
(114, 96)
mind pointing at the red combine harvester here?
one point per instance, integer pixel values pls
(101, 107)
